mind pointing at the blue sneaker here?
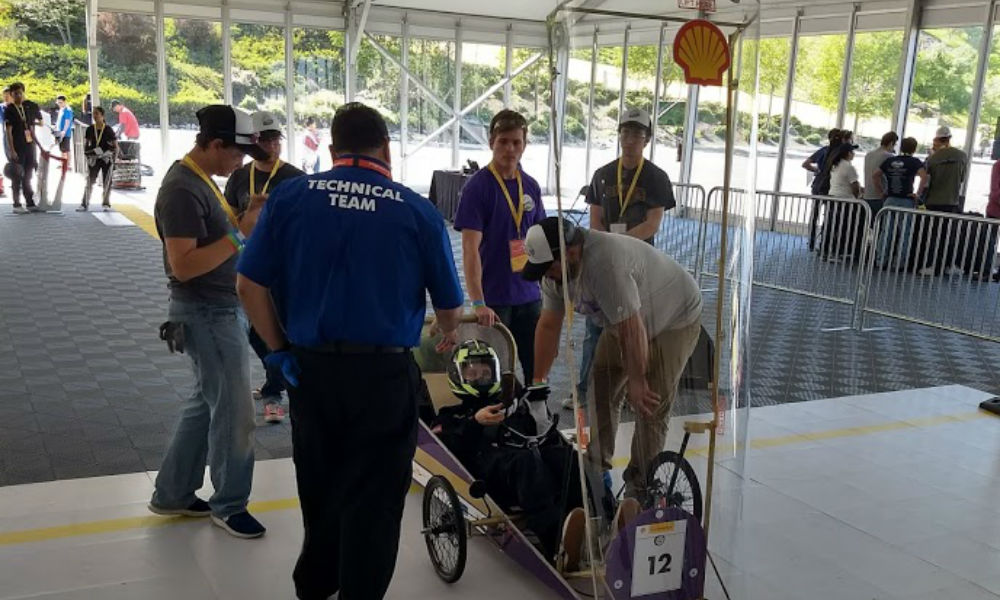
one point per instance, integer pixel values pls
(240, 525)
(198, 508)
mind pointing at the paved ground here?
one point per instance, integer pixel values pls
(89, 390)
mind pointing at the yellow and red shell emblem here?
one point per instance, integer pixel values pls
(701, 49)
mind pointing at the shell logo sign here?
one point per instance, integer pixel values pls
(701, 49)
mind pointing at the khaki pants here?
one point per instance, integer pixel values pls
(668, 355)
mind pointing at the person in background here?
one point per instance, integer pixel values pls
(3, 135)
(64, 125)
(87, 111)
(873, 160)
(128, 125)
(820, 185)
(993, 205)
(246, 191)
(20, 118)
(497, 206)
(310, 142)
(946, 167)
(894, 181)
(201, 243)
(99, 145)
(839, 239)
(814, 164)
(629, 196)
(353, 271)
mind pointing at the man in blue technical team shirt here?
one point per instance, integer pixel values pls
(350, 256)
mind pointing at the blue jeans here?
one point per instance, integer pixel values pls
(590, 338)
(217, 421)
(899, 256)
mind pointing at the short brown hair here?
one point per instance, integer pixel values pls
(890, 138)
(508, 120)
(908, 145)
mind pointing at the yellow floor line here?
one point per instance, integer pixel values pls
(123, 524)
(787, 440)
(140, 217)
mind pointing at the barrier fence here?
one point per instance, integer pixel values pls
(682, 230)
(920, 266)
(936, 269)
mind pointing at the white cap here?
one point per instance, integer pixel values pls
(942, 132)
(636, 116)
(265, 121)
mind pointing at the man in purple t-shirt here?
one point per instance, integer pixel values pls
(498, 205)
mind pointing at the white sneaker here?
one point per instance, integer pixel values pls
(20, 210)
(567, 403)
(953, 270)
(926, 271)
(107, 208)
(81, 208)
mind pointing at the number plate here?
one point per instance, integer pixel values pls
(658, 562)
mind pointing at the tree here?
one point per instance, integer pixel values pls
(942, 86)
(874, 72)
(773, 55)
(41, 18)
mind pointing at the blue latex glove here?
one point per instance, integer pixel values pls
(288, 364)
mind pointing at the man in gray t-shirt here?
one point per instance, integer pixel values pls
(650, 308)
(874, 160)
(201, 241)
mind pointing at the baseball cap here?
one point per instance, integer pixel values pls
(265, 121)
(942, 132)
(221, 121)
(541, 244)
(636, 116)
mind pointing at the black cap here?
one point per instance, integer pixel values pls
(223, 122)
(541, 244)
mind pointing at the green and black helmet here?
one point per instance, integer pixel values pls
(474, 372)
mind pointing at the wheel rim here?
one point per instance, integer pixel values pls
(682, 495)
(442, 538)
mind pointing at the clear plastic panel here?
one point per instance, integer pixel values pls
(661, 414)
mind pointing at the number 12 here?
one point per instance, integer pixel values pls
(664, 559)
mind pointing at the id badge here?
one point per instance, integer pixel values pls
(518, 256)
(27, 136)
(619, 227)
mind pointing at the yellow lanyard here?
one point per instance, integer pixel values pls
(20, 111)
(253, 171)
(623, 204)
(517, 213)
(100, 134)
(218, 193)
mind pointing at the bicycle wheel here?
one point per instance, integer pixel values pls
(686, 493)
(444, 529)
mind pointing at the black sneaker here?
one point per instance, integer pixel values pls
(198, 508)
(240, 525)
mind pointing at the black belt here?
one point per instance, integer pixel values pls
(352, 348)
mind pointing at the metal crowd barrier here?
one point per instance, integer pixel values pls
(935, 269)
(914, 265)
(680, 234)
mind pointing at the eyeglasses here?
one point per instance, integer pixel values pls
(632, 134)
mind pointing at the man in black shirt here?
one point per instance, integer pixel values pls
(99, 144)
(20, 118)
(246, 192)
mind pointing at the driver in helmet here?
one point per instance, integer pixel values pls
(515, 449)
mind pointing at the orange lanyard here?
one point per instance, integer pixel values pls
(623, 204)
(516, 213)
(189, 163)
(253, 171)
